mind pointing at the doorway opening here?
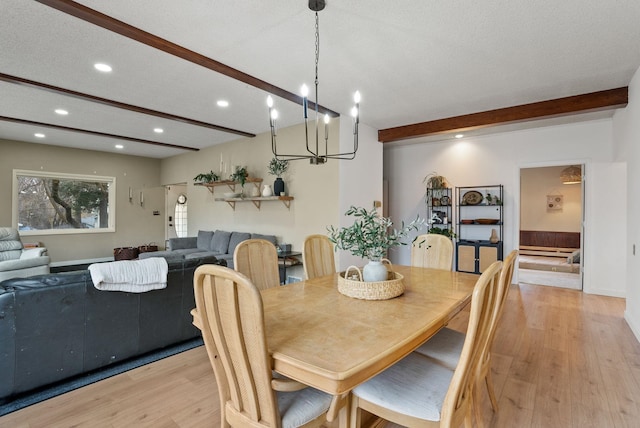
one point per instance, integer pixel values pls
(551, 226)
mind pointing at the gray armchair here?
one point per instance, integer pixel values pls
(17, 262)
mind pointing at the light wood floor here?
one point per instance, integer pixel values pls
(561, 359)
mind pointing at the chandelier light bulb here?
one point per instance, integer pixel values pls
(317, 152)
(274, 114)
(269, 101)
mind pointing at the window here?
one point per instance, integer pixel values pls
(181, 216)
(56, 203)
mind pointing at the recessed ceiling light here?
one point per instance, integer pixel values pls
(119, 146)
(223, 103)
(102, 67)
(459, 135)
(61, 111)
(39, 135)
(158, 130)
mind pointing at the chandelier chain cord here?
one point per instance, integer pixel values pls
(317, 48)
(316, 81)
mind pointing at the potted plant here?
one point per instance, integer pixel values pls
(209, 177)
(435, 185)
(370, 236)
(442, 231)
(278, 167)
(240, 175)
(435, 181)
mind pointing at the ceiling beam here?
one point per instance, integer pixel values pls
(602, 100)
(105, 21)
(100, 134)
(117, 104)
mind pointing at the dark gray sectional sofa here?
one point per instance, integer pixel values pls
(220, 244)
(56, 326)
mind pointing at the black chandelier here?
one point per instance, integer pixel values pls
(313, 152)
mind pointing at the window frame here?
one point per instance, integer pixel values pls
(111, 181)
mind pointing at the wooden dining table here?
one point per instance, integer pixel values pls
(333, 342)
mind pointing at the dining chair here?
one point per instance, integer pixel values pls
(446, 346)
(317, 256)
(432, 251)
(417, 391)
(230, 314)
(258, 260)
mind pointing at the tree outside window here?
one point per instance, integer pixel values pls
(54, 203)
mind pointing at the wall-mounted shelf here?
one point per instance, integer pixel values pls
(232, 184)
(286, 200)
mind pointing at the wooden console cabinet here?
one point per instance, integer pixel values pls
(476, 256)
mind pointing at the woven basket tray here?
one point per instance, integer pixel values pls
(125, 253)
(378, 290)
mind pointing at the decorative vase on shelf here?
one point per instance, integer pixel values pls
(278, 186)
(374, 271)
(266, 190)
(255, 191)
(494, 237)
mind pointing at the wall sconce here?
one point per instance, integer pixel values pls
(130, 195)
(141, 199)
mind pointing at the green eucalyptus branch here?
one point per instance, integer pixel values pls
(371, 235)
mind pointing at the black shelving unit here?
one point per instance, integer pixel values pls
(480, 213)
(439, 207)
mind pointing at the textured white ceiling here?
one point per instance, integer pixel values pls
(413, 61)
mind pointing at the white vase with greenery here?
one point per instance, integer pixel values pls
(370, 236)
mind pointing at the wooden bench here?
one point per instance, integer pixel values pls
(529, 250)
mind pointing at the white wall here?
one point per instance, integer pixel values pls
(497, 159)
(315, 188)
(627, 137)
(135, 224)
(360, 179)
(535, 185)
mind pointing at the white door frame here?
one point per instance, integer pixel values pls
(171, 192)
(585, 212)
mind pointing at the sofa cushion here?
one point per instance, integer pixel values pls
(204, 239)
(236, 238)
(182, 243)
(220, 242)
(270, 238)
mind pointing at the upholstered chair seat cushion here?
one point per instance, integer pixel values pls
(300, 407)
(444, 347)
(414, 386)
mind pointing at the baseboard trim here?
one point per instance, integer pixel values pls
(635, 329)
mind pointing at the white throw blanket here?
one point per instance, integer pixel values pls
(132, 276)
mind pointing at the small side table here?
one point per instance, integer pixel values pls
(286, 259)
